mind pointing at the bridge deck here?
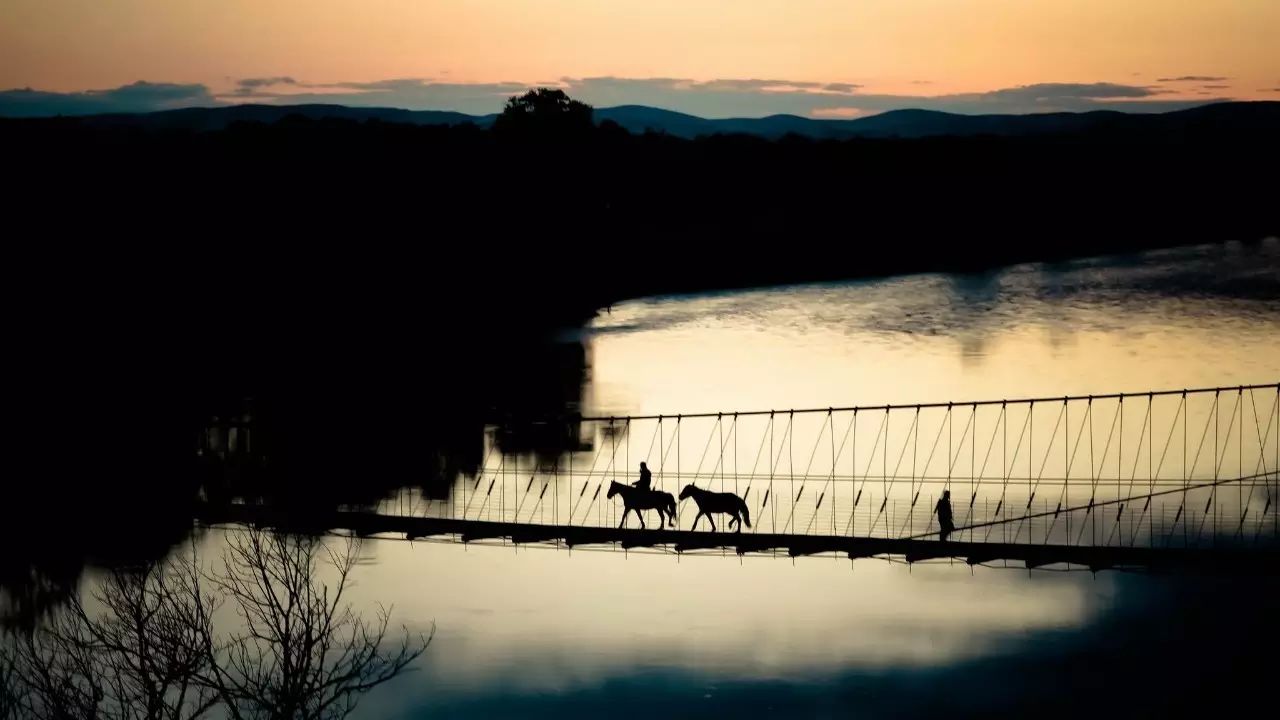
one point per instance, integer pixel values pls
(1258, 559)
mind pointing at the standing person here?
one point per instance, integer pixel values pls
(946, 524)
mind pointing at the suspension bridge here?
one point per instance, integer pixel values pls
(1169, 478)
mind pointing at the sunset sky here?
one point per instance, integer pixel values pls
(715, 58)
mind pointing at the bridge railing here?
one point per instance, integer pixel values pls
(1176, 468)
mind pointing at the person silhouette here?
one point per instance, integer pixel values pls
(646, 478)
(946, 524)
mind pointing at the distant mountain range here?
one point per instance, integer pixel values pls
(1228, 117)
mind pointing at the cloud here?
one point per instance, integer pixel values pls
(1193, 78)
(251, 86)
(392, 85)
(716, 98)
(266, 81)
(409, 93)
(1090, 90)
(753, 85)
(262, 82)
(838, 113)
(751, 99)
(136, 97)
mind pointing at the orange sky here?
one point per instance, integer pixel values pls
(900, 47)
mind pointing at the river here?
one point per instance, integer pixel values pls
(551, 632)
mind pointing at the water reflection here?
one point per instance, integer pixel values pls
(1190, 317)
(571, 634)
(759, 617)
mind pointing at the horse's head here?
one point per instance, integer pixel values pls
(614, 487)
(687, 491)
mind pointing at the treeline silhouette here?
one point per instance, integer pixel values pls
(619, 213)
(370, 294)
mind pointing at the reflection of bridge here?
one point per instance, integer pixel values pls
(1170, 478)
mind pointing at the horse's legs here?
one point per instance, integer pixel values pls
(735, 519)
(696, 519)
(712, 521)
(623, 524)
(640, 514)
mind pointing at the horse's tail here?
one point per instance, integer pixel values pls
(746, 514)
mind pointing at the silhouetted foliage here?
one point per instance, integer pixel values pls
(544, 111)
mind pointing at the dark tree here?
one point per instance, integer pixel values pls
(544, 110)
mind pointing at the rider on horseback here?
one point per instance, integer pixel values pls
(640, 496)
(646, 478)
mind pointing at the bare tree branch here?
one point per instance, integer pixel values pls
(304, 653)
(151, 652)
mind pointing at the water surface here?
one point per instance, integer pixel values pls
(534, 631)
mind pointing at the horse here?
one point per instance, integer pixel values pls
(633, 498)
(714, 502)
